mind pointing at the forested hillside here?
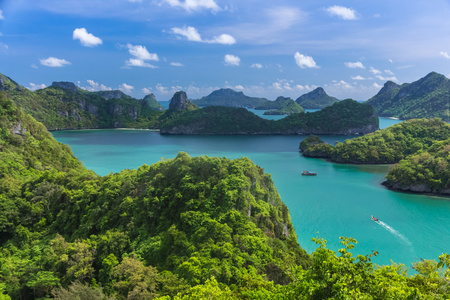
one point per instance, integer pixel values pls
(184, 228)
(65, 106)
(427, 97)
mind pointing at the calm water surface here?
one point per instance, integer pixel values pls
(337, 202)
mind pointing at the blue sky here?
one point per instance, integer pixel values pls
(263, 48)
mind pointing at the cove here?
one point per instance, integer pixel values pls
(337, 202)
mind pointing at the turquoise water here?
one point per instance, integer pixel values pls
(337, 202)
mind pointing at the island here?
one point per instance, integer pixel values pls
(316, 99)
(418, 148)
(427, 97)
(63, 106)
(346, 117)
(281, 106)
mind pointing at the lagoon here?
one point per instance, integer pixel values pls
(337, 202)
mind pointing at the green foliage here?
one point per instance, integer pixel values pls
(388, 145)
(185, 228)
(281, 106)
(344, 117)
(58, 108)
(424, 98)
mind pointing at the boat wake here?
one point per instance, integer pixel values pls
(394, 232)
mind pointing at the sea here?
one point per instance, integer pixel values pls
(338, 202)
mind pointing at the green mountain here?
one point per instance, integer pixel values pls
(316, 99)
(184, 228)
(65, 106)
(346, 117)
(157, 230)
(281, 106)
(428, 97)
(229, 97)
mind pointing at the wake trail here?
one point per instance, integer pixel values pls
(394, 232)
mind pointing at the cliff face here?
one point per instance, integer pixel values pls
(65, 106)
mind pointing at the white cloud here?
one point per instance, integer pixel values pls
(392, 78)
(191, 34)
(304, 61)
(133, 1)
(257, 66)
(176, 64)
(34, 66)
(134, 62)
(390, 60)
(86, 39)
(191, 5)
(445, 54)
(389, 72)
(376, 85)
(342, 12)
(54, 62)
(1, 15)
(141, 52)
(146, 91)
(239, 87)
(358, 77)
(224, 39)
(188, 32)
(374, 71)
(355, 65)
(232, 60)
(34, 87)
(95, 86)
(126, 88)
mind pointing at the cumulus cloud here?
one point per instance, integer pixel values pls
(304, 61)
(445, 54)
(126, 88)
(192, 34)
(355, 65)
(54, 62)
(389, 72)
(176, 64)
(239, 87)
(134, 62)
(374, 71)
(146, 91)
(257, 66)
(95, 86)
(1, 15)
(224, 39)
(188, 32)
(376, 85)
(141, 52)
(358, 77)
(342, 12)
(232, 60)
(34, 87)
(86, 39)
(193, 5)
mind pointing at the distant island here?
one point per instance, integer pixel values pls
(231, 98)
(418, 147)
(281, 106)
(346, 117)
(316, 99)
(427, 97)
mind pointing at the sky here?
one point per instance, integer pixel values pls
(262, 48)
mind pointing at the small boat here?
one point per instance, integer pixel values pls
(374, 219)
(307, 173)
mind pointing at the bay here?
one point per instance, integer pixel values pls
(337, 202)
